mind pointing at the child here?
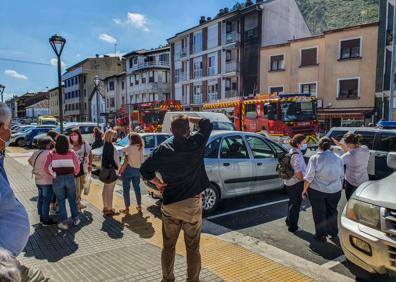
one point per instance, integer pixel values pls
(42, 179)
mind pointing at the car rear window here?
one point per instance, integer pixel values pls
(367, 138)
(386, 142)
(337, 134)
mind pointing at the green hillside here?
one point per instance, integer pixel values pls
(322, 15)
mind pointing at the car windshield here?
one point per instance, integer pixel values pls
(298, 111)
(123, 142)
(217, 125)
(25, 129)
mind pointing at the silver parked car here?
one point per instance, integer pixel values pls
(368, 225)
(237, 163)
(151, 140)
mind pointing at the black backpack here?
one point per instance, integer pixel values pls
(284, 168)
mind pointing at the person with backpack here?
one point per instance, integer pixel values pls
(42, 179)
(84, 154)
(295, 184)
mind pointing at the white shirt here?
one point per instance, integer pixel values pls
(84, 150)
(356, 162)
(135, 155)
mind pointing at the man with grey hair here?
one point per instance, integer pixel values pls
(9, 267)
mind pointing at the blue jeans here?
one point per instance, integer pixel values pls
(131, 174)
(44, 199)
(65, 185)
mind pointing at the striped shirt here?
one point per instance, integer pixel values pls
(57, 164)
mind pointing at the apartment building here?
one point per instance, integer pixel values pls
(38, 109)
(79, 88)
(219, 58)
(115, 89)
(147, 75)
(384, 60)
(338, 67)
(53, 102)
(28, 99)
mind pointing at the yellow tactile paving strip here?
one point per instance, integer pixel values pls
(229, 261)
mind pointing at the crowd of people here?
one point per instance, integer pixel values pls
(323, 179)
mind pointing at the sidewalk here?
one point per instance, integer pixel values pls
(126, 248)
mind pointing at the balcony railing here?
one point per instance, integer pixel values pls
(232, 67)
(155, 87)
(197, 74)
(231, 93)
(232, 37)
(212, 96)
(159, 64)
(212, 71)
(197, 99)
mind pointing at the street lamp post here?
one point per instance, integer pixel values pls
(2, 87)
(97, 81)
(57, 43)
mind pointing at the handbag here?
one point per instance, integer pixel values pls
(108, 175)
(87, 183)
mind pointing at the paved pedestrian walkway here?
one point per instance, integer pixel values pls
(126, 248)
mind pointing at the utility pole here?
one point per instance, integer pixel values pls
(392, 82)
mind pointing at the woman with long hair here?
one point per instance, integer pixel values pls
(84, 153)
(130, 170)
(110, 161)
(98, 138)
(323, 184)
(356, 160)
(62, 164)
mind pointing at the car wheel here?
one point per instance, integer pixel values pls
(210, 198)
(21, 142)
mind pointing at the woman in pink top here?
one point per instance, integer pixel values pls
(63, 165)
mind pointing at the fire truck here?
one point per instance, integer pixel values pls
(148, 116)
(277, 116)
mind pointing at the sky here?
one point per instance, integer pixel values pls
(90, 27)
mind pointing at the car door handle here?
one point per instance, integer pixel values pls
(259, 164)
(226, 164)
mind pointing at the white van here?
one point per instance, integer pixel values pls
(219, 120)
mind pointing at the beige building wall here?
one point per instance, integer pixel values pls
(329, 67)
(53, 102)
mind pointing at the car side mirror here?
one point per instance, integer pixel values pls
(391, 160)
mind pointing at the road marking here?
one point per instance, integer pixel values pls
(334, 262)
(246, 209)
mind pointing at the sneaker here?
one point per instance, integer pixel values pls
(63, 226)
(81, 206)
(76, 220)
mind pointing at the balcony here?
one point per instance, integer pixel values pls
(212, 96)
(232, 67)
(155, 87)
(231, 93)
(197, 74)
(158, 64)
(197, 99)
(183, 53)
(232, 37)
(212, 71)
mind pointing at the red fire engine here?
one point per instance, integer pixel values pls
(277, 116)
(149, 116)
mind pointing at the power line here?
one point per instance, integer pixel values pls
(24, 62)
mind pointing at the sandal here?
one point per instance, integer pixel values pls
(124, 211)
(111, 213)
(139, 208)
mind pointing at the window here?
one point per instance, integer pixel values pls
(233, 147)
(387, 142)
(277, 62)
(212, 36)
(228, 27)
(164, 58)
(270, 111)
(178, 75)
(309, 88)
(122, 85)
(197, 70)
(251, 111)
(111, 85)
(162, 138)
(149, 141)
(337, 135)
(72, 81)
(112, 102)
(212, 65)
(212, 149)
(228, 56)
(130, 63)
(123, 100)
(348, 88)
(367, 138)
(260, 149)
(309, 57)
(251, 34)
(350, 49)
(197, 41)
(276, 90)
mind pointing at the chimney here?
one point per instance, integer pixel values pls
(208, 19)
(248, 3)
(97, 55)
(221, 12)
(226, 10)
(202, 20)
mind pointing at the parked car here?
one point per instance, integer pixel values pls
(151, 141)
(219, 120)
(18, 138)
(86, 129)
(42, 129)
(237, 163)
(379, 141)
(368, 225)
